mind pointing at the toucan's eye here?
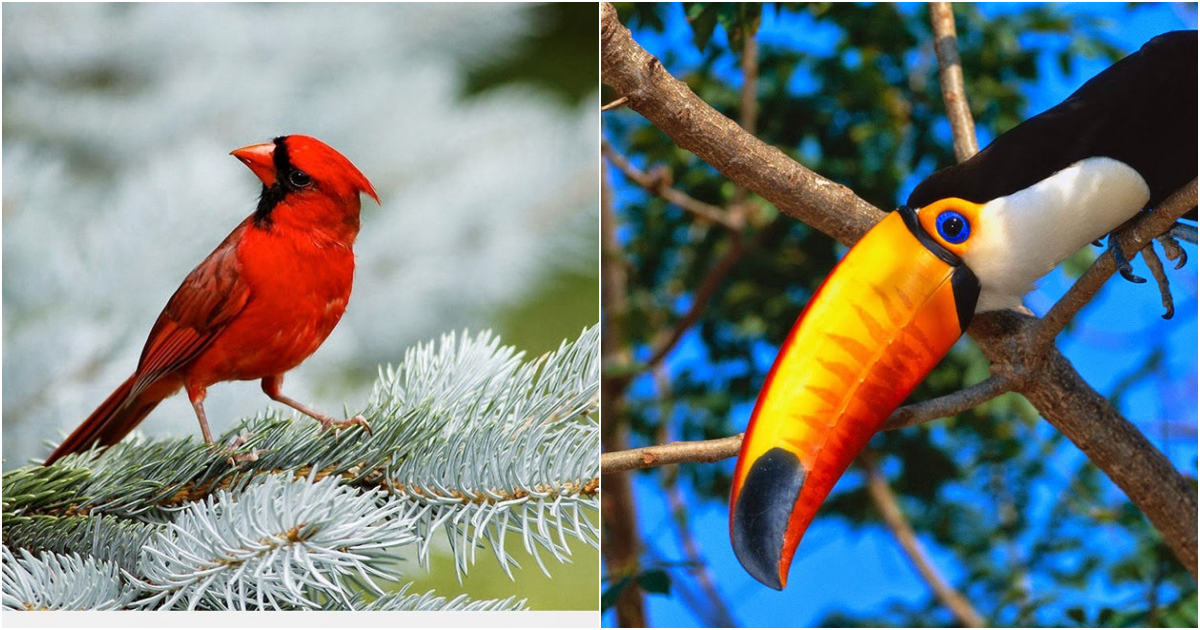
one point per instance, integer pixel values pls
(299, 179)
(953, 227)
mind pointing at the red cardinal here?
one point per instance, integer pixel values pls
(261, 303)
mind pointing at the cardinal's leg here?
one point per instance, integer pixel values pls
(271, 386)
(196, 394)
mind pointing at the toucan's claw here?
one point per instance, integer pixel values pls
(1171, 246)
(762, 512)
(1123, 265)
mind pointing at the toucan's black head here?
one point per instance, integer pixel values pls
(1140, 111)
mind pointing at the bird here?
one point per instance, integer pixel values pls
(260, 304)
(971, 238)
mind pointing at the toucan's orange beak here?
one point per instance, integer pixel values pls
(260, 158)
(887, 314)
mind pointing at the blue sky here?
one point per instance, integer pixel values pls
(839, 568)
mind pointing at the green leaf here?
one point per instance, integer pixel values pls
(656, 581)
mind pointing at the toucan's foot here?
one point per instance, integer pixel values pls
(1123, 265)
(1171, 246)
(1160, 276)
(1183, 232)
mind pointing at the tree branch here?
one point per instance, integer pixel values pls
(703, 451)
(717, 614)
(620, 102)
(949, 405)
(622, 546)
(889, 508)
(659, 184)
(950, 75)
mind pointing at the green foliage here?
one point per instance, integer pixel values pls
(553, 59)
(656, 581)
(467, 438)
(859, 103)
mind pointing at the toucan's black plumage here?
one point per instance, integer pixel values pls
(1140, 111)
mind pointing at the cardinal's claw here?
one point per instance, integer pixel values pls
(252, 456)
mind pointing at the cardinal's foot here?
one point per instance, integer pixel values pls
(235, 457)
(337, 425)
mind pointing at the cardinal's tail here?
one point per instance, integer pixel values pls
(113, 419)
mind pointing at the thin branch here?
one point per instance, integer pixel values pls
(738, 249)
(889, 508)
(950, 74)
(950, 404)
(749, 93)
(703, 451)
(659, 184)
(614, 104)
(622, 544)
(707, 451)
(717, 614)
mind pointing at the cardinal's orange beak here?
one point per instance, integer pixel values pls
(260, 158)
(887, 314)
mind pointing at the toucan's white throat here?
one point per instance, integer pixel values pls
(1020, 238)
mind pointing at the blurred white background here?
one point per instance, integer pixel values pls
(117, 124)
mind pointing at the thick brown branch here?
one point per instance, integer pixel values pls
(692, 124)
(659, 184)
(1110, 441)
(950, 75)
(889, 508)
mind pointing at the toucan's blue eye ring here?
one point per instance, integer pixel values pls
(953, 227)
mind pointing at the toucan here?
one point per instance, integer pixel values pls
(971, 238)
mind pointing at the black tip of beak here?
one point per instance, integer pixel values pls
(762, 512)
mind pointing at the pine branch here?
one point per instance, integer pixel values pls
(52, 582)
(468, 438)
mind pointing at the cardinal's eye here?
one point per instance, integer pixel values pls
(299, 179)
(953, 227)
